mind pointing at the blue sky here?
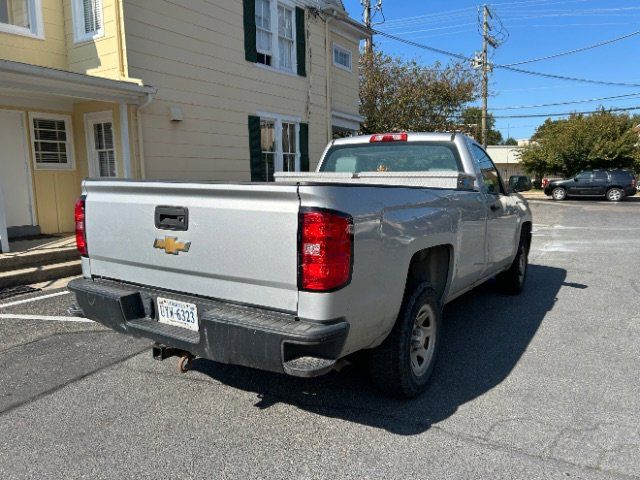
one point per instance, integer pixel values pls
(536, 28)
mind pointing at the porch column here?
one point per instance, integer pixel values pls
(4, 238)
(124, 136)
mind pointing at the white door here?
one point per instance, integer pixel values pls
(15, 178)
(101, 148)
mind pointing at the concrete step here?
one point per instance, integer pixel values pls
(37, 258)
(42, 273)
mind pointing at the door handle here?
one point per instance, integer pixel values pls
(172, 218)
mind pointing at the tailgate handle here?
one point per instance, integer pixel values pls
(172, 218)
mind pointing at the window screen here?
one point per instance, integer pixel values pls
(50, 142)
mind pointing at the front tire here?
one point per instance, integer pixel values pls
(402, 365)
(615, 195)
(559, 194)
(512, 281)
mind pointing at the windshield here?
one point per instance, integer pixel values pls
(393, 157)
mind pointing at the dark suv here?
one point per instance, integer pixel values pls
(612, 184)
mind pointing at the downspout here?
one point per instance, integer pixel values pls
(328, 55)
(147, 102)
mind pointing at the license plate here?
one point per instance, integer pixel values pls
(178, 314)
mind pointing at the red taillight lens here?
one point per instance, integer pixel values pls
(81, 231)
(389, 137)
(326, 250)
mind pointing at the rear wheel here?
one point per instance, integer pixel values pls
(403, 363)
(559, 194)
(615, 195)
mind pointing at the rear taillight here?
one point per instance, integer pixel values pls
(81, 230)
(633, 182)
(389, 137)
(325, 250)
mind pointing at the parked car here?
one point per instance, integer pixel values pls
(293, 276)
(520, 183)
(614, 185)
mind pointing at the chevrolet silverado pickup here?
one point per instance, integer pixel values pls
(293, 276)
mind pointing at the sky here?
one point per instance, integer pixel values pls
(534, 29)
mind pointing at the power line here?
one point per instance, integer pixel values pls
(519, 107)
(545, 115)
(577, 50)
(563, 77)
(505, 67)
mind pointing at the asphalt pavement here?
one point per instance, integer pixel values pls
(543, 385)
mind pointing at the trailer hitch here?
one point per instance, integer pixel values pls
(162, 352)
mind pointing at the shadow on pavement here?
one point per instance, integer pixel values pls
(484, 336)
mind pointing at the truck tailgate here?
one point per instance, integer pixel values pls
(243, 239)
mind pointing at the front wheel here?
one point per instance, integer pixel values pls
(512, 281)
(615, 195)
(559, 194)
(403, 363)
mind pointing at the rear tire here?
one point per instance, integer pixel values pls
(559, 194)
(615, 195)
(512, 281)
(402, 365)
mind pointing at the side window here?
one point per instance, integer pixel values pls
(584, 177)
(88, 20)
(490, 176)
(600, 177)
(274, 34)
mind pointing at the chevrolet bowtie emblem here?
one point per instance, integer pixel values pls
(171, 245)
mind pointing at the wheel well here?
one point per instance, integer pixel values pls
(430, 265)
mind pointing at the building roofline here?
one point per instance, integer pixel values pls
(24, 76)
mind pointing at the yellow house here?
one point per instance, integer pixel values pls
(218, 90)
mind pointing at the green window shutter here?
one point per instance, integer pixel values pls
(304, 147)
(301, 42)
(255, 151)
(250, 49)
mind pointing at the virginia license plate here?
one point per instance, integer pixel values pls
(178, 314)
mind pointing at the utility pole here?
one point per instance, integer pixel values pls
(485, 71)
(367, 21)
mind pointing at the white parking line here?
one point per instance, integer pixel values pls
(33, 299)
(45, 318)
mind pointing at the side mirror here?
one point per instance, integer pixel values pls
(575, 179)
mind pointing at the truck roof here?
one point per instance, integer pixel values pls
(411, 137)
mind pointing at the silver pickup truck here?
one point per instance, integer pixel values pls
(295, 275)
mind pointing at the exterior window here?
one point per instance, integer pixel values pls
(88, 20)
(105, 151)
(101, 150)
(285, 37)
(341, 57)
(263, 31)
(52, 141)
(275, 48)
(280, 146)
(490, 176)
(22, 17)
(289, 147)
(268, 145)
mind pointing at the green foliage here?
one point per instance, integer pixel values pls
(510, 141)
(398, 95)
(583, 142)
(473, 116)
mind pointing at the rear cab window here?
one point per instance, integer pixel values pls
(393, 157)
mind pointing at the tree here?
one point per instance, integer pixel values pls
(398, 95)
(510, 141)
(583, 142)
(473, 116)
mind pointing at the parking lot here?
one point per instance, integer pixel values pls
(544, 385)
